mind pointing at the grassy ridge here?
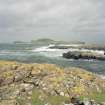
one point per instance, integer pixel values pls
(47, 83)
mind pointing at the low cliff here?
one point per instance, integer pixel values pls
(39, 84)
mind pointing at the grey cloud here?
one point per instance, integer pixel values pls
(49, 18)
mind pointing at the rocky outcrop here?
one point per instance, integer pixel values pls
(83, 55)
(18, 83)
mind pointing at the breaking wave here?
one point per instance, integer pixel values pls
(54, 52)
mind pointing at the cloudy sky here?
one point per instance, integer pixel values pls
(58, 19)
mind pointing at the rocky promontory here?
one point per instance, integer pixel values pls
(84, 55)
(48, 84)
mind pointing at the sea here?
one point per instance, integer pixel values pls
(31, 53)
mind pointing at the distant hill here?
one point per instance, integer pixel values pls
(44, 40)
(50, 41)
(47, 41)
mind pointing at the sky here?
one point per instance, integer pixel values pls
(71, 20)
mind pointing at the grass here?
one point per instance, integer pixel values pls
(98, 97)
(56, 100)
(53, 100)
(36, 97)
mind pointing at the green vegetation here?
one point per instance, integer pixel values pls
(99, 97)
(36, 97)
(41, 98)
(57, 100)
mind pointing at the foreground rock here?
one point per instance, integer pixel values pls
(20, 84)
(83, 55)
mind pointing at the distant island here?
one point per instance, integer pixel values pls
(47, 41)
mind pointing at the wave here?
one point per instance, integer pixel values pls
(60, 51)
(48, 48)
(47, 51)
(70, 45)
(44, 49)
(94, 51)
(98, 52)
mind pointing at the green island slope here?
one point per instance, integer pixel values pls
(47, 84)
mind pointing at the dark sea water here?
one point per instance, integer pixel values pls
(41, 54)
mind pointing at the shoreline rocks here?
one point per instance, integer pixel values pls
(83, 55)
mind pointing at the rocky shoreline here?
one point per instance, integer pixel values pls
(48, 84)
(84, 55)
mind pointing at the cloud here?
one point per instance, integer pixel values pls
(58, 17)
